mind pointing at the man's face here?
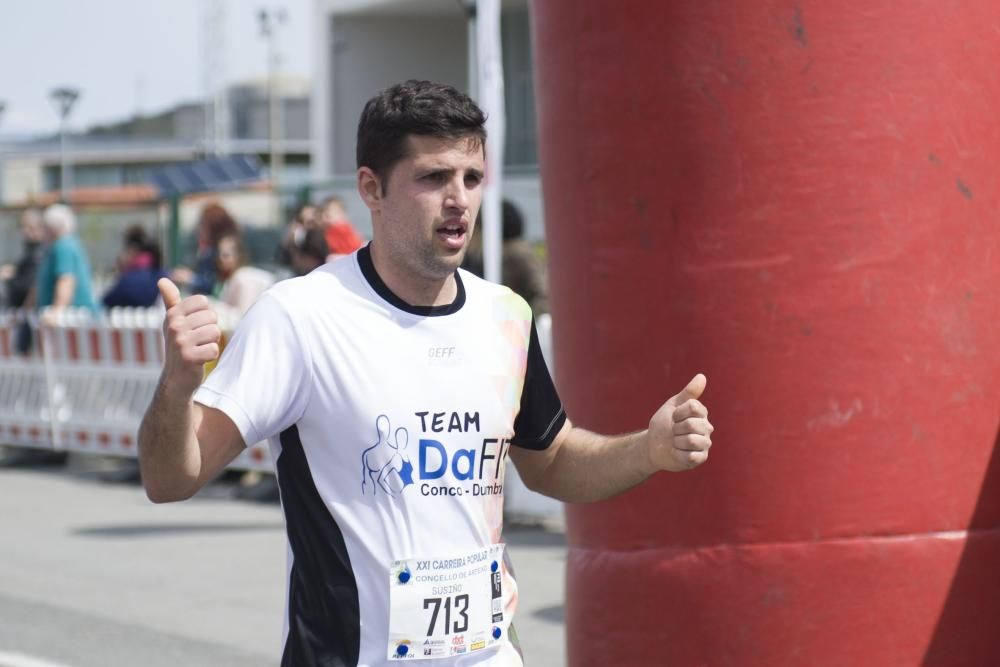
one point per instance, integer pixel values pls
(32, 228)
(428, 211)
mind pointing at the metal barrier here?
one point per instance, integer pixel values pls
(86, 381)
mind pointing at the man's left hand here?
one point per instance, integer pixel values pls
(680, 434)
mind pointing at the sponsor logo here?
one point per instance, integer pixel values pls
(436, 469)
(403, 650)
(385, 465)
(444, 356)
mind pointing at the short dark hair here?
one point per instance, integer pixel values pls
(513, 223)
(415, 107)
(312, 244)
(135, 237)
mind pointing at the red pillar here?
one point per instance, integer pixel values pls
(801, 201)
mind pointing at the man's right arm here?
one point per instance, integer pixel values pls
(183, 445)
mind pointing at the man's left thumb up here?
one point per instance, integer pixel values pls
(694, 389)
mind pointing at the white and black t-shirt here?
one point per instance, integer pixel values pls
(390, 426)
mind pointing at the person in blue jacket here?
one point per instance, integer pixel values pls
(139, 269)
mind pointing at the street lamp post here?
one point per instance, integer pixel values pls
(64, 98)
(3, 107)
(269, 21)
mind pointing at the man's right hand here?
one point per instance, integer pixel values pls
(191, 334)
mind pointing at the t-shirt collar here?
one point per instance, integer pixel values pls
(371, 275)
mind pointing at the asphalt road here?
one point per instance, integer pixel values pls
(93, 575)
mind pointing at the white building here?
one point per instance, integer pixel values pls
(122, 154)
(363, 46)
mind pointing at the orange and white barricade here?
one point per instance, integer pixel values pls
(88, 382)
(24, 416)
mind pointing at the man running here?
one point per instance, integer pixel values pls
(406, 562)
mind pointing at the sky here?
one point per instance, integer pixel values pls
(132, 56)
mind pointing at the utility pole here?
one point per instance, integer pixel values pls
(269, 22)
(64, 98)
(3, 107)
(213, 49)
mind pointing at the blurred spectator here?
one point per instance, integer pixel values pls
(522, 270)
(238, 285)
(64, 274)
(63, 280)
(304, 218)
(307, 216)
(307, 251)
(341, 237)
(473, 260)
(138, 270)
(214, 223)
(18, 279)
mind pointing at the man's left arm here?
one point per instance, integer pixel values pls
(64, 291)
(580, 466)
(65, 285)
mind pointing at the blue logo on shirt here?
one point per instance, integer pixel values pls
(440, 469)
(385, 464)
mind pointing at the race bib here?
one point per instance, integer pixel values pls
(446, 606)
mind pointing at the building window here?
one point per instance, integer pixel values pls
(520, 149)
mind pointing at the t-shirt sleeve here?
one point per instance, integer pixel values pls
(262, 379)
(541, 415)
(63, 260)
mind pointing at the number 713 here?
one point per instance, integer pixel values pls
(459, 604)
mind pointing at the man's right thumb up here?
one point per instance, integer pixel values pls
(169, 291)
